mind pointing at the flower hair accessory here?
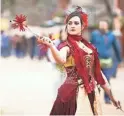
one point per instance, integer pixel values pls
(82, 12)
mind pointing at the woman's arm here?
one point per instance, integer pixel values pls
(101, 79)
(106, 87)
(59, 56)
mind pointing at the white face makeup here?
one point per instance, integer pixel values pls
(74, 26)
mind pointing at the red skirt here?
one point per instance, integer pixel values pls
(66, 104)
(66, 101)
(64, 108)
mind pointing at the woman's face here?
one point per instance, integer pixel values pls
(74, 26)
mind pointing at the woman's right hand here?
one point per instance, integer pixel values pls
(45, 40)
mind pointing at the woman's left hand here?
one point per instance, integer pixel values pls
(117, 104)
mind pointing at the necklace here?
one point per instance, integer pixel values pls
(85, 48)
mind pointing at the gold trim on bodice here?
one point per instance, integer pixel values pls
(70, 61)
(88, 60)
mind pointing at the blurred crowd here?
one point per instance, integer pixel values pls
(17, 45)
(21, 46)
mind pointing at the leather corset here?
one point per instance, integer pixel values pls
(89, 63)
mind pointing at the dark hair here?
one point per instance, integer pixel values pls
(72, 15)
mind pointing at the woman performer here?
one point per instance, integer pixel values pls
(80, 59)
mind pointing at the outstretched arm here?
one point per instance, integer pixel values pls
(59, 56)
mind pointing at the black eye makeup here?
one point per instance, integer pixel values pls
(70, 23)
(76, 23)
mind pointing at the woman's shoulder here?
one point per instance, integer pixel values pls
(63, 44)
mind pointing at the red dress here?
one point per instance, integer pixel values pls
(65, 103)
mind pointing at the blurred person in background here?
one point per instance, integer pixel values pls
(13, 43)
(81, 62)
(24, 46)
(56, 42)
(63, 35)
(19, 47)
(5, 45)
(32, 47)
(105, 42)
(14, 40)
(116, 63)
(43, 51)
(122, 41)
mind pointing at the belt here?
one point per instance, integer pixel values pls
(80, 81)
